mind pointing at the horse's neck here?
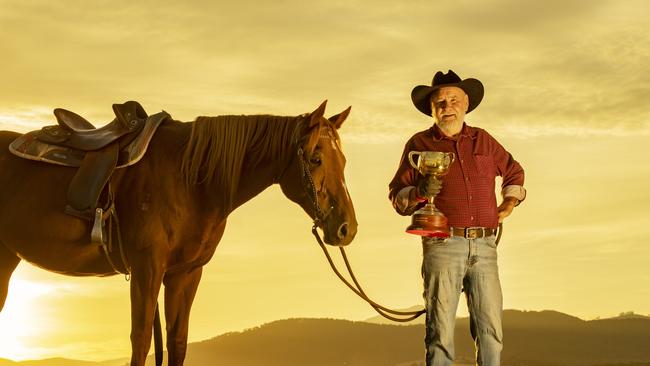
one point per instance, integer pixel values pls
(256, 175)
(254, 180)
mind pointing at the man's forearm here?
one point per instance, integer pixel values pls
(406, 201)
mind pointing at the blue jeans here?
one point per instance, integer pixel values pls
(449, 268)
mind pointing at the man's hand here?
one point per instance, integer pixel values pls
(505, 208)
(428, 187)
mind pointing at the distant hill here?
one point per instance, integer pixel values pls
(378, 319)
(546, 338)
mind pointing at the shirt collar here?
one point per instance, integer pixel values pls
(466, 131)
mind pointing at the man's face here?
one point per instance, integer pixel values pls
(449, 105)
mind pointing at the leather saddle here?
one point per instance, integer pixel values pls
(76, 132)
(96, 152)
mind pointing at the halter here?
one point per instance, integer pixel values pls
(307, 179)
(310, 189)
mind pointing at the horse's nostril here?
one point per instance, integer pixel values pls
(343, 230)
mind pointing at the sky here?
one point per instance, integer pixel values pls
(566, 93)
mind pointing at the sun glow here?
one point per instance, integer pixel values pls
(21, 319)
(24, 120)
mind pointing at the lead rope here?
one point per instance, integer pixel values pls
(319, 216)
(381, 310)
(358, 290)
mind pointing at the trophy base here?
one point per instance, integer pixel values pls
(429, 225)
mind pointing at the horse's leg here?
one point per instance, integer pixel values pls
(145, 285)
(8, 263)
(180, 289)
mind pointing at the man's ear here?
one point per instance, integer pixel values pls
(466, 102)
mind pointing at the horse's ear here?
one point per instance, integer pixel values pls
(314, 127)
(317, 114)
(338, 119)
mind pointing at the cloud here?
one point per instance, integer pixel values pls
(551, 66)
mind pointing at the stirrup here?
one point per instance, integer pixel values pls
(97, 233)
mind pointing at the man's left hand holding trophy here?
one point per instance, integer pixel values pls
(428, 186)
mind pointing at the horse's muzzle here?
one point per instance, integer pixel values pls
(344, 234)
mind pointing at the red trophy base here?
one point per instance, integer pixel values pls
(429, 225)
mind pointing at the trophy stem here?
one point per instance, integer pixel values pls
(429, 221)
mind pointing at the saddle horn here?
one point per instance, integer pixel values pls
(129, 113)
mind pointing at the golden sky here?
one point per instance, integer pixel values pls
(567, 90)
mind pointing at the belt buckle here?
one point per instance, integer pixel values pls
(472, 232)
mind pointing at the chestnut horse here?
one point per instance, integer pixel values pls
(173, 207)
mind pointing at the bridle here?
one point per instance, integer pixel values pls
(319, 218)
(310, 188)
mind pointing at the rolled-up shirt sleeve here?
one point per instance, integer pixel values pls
(515, 191)
(403, 203)
(403, 182)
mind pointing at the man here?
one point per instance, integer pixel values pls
(467, 260)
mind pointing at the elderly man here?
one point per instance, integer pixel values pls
(467, 260)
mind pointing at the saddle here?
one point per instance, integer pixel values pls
(75, 132)
(96, 152)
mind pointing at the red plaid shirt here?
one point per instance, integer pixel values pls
(467, 197)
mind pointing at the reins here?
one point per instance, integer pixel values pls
(319, 216)
(381, 310)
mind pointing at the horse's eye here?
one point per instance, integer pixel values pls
(315, 160)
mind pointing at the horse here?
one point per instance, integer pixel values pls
(173, 206)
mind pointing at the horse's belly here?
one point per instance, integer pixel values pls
(54, 241)
(65, 259)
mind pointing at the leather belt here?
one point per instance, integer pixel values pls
(472, 232)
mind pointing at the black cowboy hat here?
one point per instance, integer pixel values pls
(421, 94)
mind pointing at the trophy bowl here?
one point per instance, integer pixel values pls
(429, 221)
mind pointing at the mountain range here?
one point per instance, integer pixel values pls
(545, 338)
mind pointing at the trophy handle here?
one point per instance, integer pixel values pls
(415, 166)
(452, 158)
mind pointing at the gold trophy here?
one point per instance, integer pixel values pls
(429, 221)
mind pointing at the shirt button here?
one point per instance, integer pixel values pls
(470, 197)
(471, 218)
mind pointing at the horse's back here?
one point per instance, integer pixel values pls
(6, 137)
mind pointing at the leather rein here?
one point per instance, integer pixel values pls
(319, 217)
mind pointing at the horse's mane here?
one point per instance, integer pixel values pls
(218, 147)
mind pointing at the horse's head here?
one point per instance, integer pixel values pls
(315, 177)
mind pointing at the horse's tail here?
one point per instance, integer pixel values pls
(8, 263)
